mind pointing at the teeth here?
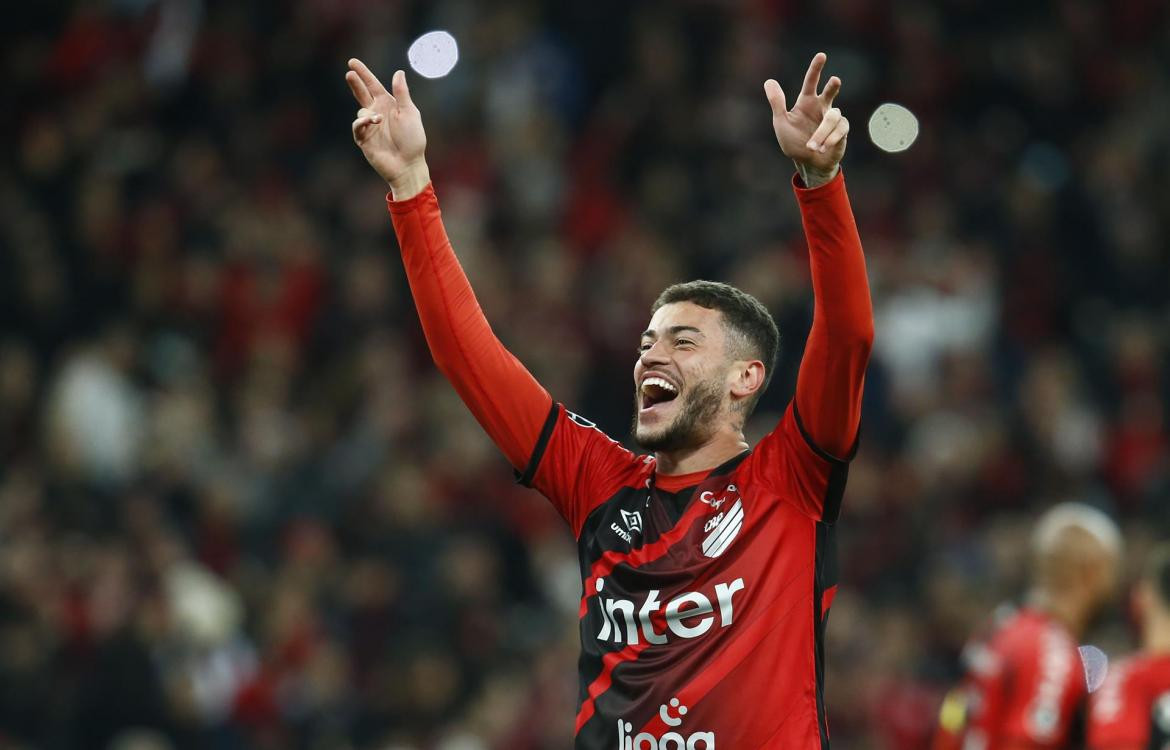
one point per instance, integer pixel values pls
(653, 380)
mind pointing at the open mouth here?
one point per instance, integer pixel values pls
(656, 390)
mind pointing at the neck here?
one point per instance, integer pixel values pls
(1062, 608)
(1156, 635)
(722, 447)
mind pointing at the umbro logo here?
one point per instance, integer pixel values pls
(633, 522)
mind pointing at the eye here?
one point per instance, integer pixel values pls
(644, 346)
(684, 342)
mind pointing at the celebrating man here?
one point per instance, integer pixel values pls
(707, 566)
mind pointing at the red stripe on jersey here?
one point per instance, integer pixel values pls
(639, 555)
(608, 663)
(733, 655)
(827, 599)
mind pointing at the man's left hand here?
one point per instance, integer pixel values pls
(813, 133)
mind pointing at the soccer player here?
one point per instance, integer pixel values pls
(1025, 686)
(1131, 711)
(707, 567)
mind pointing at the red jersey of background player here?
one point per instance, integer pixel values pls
(1024, 687)
(1131, 711)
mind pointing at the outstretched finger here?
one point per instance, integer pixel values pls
(775, 96)
(401, 90)
(374, 86)
(358, 87)
(829, 93)
(837, 135)
(813, 77)
(828, 123)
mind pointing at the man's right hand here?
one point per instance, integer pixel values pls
(389, 130)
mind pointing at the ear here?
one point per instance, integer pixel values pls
(745, 378)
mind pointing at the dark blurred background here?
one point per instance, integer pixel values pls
(239, 508)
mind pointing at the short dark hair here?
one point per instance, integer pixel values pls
(743, 314)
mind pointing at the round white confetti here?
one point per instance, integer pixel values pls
(433, 54)
(1096, 665)
(892, 127)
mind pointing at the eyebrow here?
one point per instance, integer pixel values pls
(672, 330)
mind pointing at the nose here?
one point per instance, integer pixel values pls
(655, 355)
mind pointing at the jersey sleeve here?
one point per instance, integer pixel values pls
(832, 371)
(566, 457)
(578, 467)
(788, 464)
(1044, 693)
(502, 395)
(805, 459)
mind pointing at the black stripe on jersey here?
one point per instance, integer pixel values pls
(675, 503)
(1078, 731)
(825, 578)
(837, 475)
(546, 432)
(589, 551)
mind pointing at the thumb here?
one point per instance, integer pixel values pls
(401, 90)
(775, 96)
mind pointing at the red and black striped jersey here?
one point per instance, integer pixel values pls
(704, 606)
(704, 596)
(1131, 711)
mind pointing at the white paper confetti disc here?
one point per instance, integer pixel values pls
(433, 54)
(1096, 665)
(892, 127)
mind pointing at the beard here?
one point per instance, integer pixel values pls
(691, 425)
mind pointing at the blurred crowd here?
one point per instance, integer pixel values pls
(239, 508)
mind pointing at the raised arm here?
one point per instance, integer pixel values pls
(504, 397)
(832, 373)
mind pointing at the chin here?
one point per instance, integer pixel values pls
(665, 438)
(651, 438)
(647, 438)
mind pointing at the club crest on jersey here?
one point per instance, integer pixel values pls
(721, 529)
(672, 716)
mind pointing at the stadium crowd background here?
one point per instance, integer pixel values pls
(239, 508)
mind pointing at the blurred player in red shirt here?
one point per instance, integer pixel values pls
(1025, 683)
(707, 566)
(1132, 710)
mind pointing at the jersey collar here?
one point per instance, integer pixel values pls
(675, 482)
